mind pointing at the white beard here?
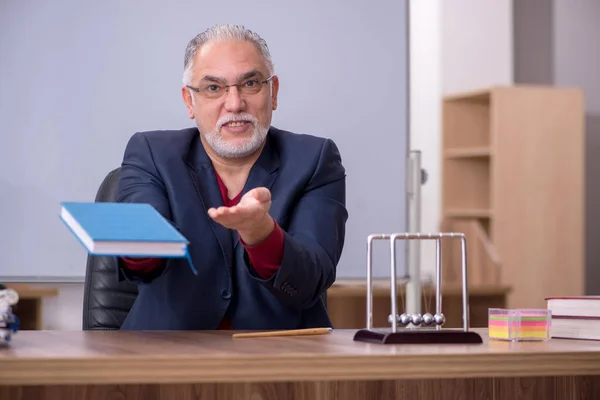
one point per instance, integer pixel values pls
(229, 150)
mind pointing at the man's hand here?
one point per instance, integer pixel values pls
(250, 217)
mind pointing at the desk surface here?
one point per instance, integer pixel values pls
(119, 357)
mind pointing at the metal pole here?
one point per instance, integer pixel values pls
(465, 294)
(413, 287)
(370, 282)
(438, 278)
(393, 280)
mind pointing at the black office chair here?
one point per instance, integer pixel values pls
(106, 301)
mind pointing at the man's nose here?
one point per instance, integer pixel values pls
(233, 100)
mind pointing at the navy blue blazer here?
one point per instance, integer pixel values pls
(171, 171)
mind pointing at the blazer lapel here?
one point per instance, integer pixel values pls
(263, 173)
(205, 181)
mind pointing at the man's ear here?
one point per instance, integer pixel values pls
(274, 91)
(188, 100)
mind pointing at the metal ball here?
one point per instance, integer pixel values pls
(417, 319)
(391, 319)
(405, 319)
(428, 319)
(439, 319)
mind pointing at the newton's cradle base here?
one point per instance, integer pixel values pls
(418, 336)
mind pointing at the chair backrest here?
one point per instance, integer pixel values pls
(106, 301)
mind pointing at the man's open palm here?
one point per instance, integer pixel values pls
(252, 209)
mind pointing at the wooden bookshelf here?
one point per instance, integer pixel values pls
(513, 182)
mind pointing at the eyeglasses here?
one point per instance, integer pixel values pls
(215, 90)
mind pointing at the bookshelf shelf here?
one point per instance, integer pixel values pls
(513, 182)
(467, 213)
(468, 152)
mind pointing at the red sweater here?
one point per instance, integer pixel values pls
(265, 256)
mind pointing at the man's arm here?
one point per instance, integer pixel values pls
(314, 241)
(267, 255)
(140, 182)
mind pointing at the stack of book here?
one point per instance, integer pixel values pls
(575, 317)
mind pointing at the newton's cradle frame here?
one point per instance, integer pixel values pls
(417, 328)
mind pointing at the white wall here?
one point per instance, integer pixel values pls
(456, 45)
(476, 44)
(64, 312)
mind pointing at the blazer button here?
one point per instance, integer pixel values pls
(225, 294)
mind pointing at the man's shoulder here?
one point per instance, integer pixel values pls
(289, 137)
(308, 152)
(172, 136)
(299, 143)
(174, 142)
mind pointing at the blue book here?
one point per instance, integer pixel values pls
(124, 230)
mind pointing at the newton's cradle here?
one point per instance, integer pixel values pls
(417, 328)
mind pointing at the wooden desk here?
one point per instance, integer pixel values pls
(347, 301)
(76, 365)
(29, 308)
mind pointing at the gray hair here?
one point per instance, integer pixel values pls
(222, 32)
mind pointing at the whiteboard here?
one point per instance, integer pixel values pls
(77, 79)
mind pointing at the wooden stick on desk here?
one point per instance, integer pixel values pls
(292, 332)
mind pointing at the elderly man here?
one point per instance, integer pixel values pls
(263, 208)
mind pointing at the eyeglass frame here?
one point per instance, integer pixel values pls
(238, 85)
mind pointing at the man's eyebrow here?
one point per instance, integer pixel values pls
(250, 74)
(211, 78)
(247, 75)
